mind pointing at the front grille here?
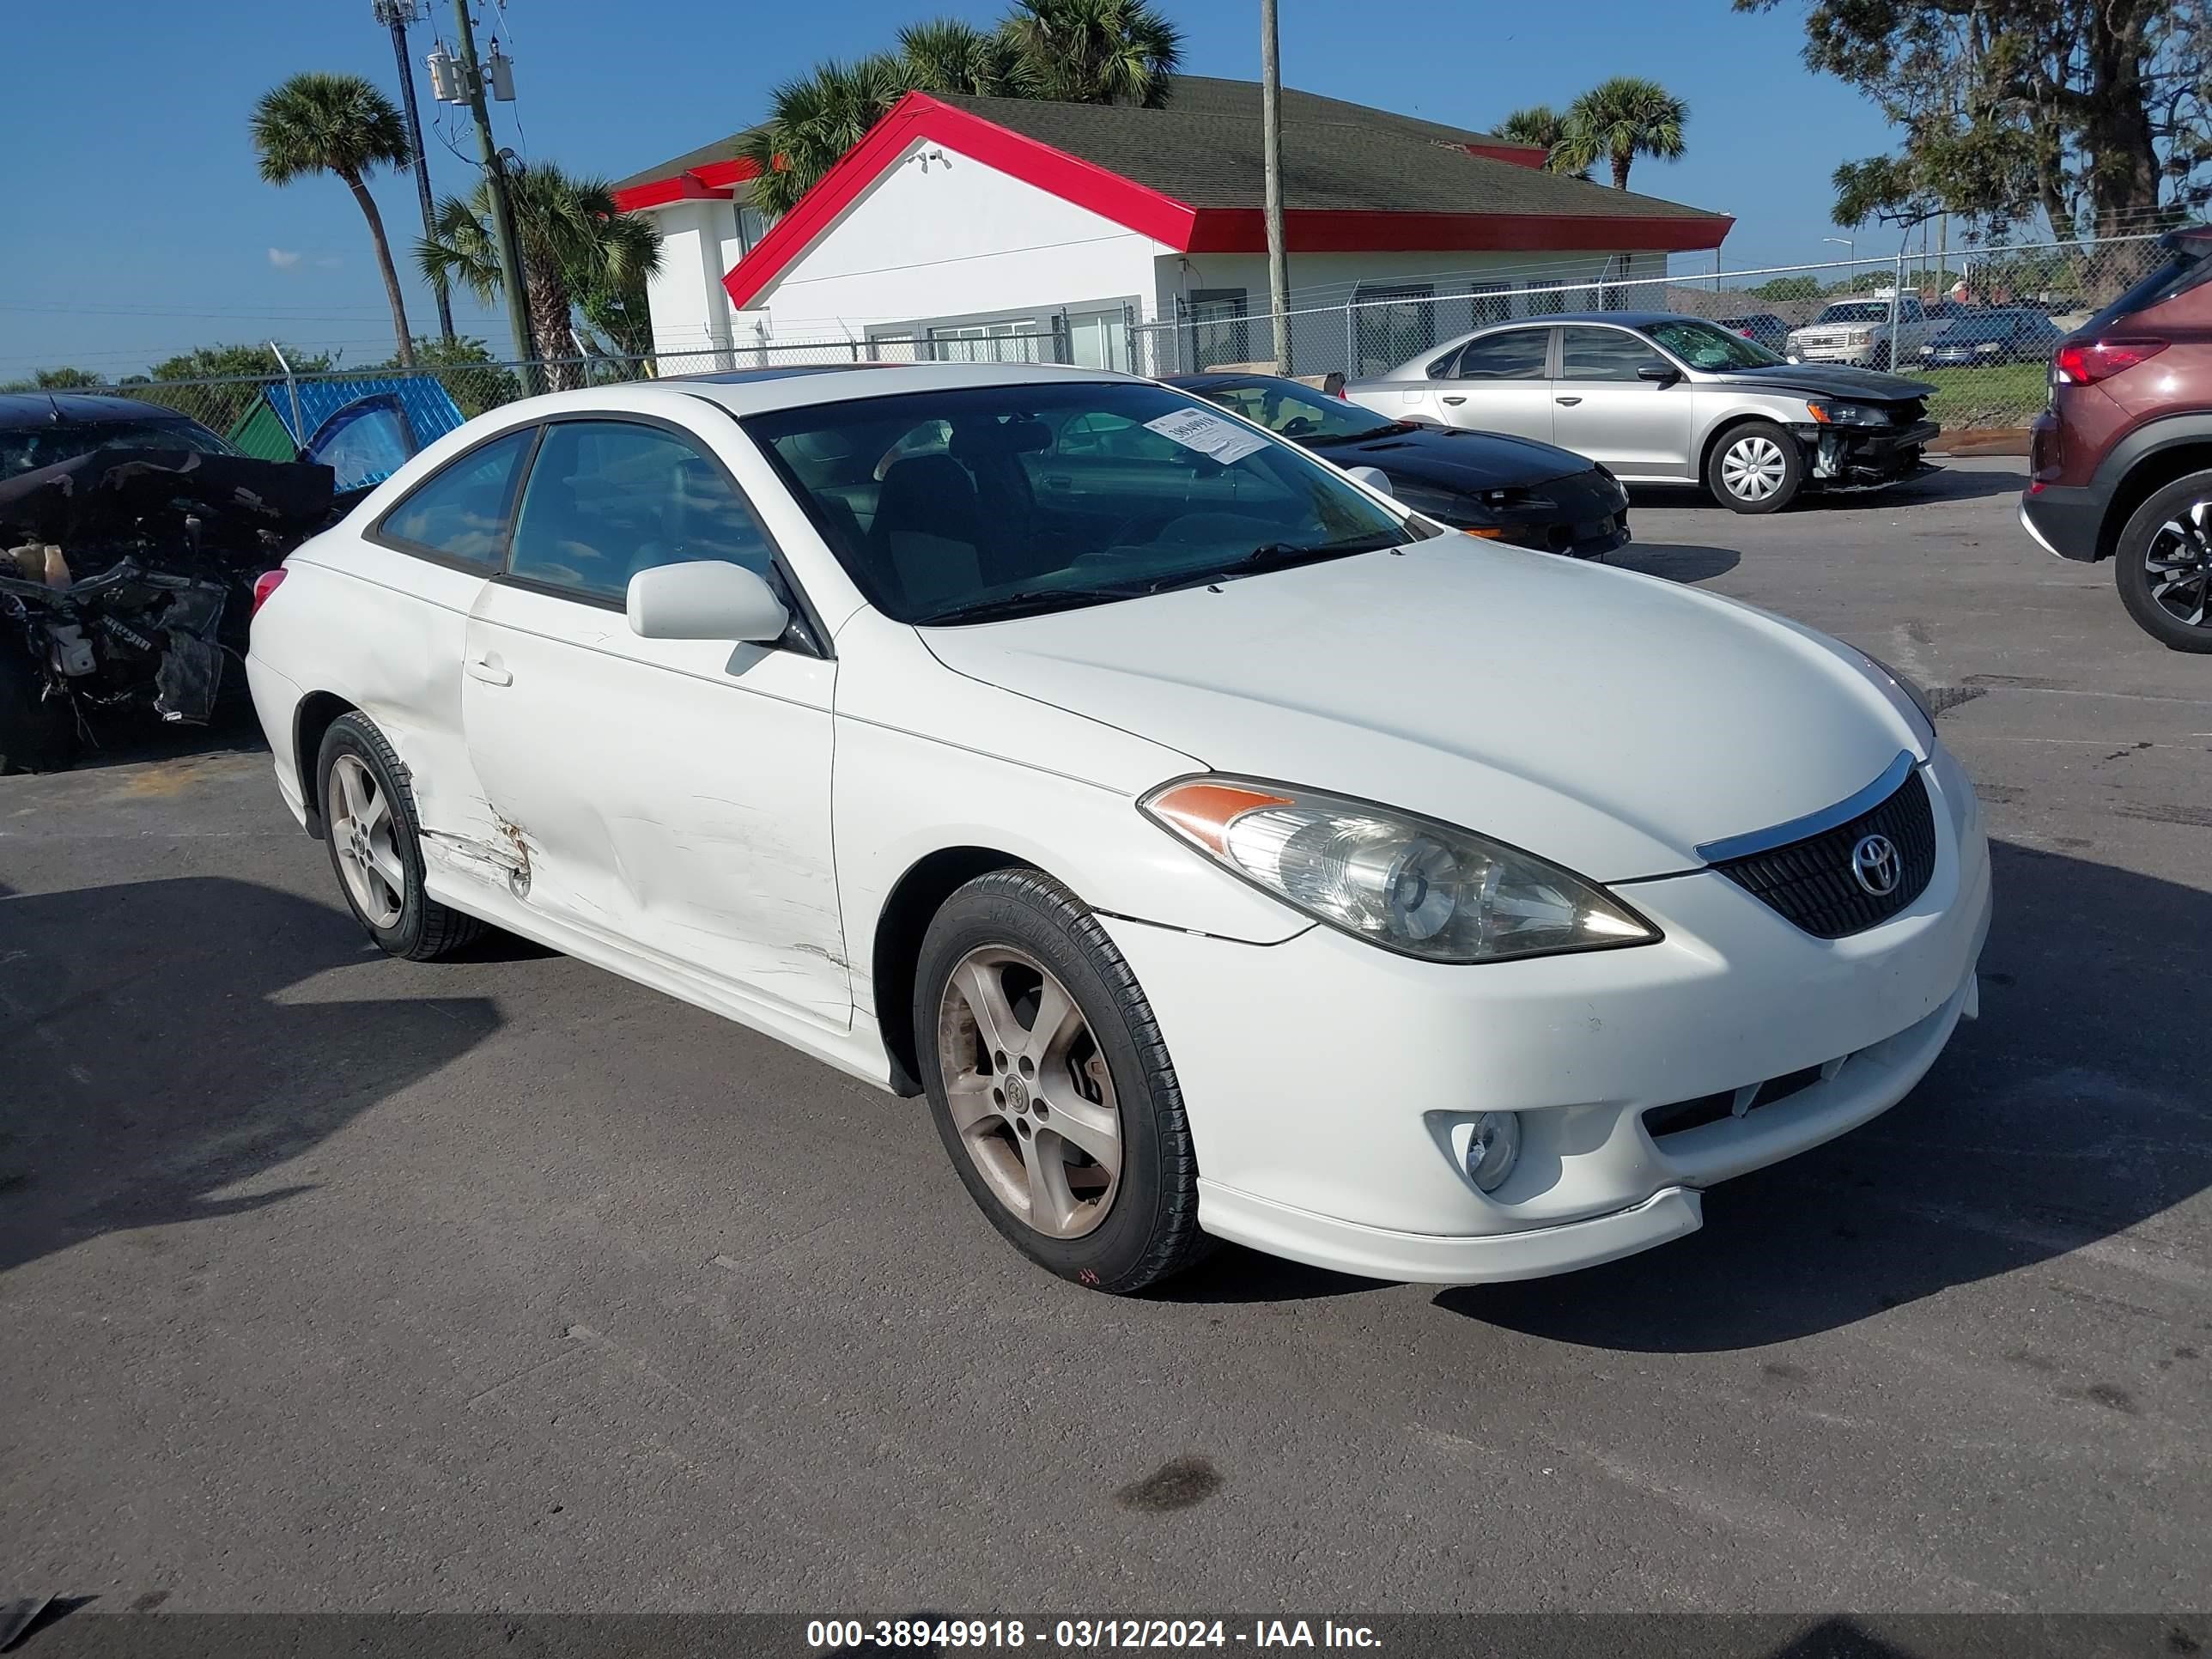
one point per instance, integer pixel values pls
(1810, 881)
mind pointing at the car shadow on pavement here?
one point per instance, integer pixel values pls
(131, 737)
(1946, 483)
(155, 1055)
(2067, 1113)
(1678, 562)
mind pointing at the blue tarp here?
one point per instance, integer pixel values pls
(430, 410)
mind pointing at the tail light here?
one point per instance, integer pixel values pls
(264, 585)
(2092, 360)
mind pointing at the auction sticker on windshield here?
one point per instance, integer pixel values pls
(1217, 439)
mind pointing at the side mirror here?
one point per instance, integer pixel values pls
(705, 599)
(1374, 477)
(1663, 374)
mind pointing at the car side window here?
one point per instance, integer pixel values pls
(1516, 354)
(1603, 354)
(607, 499)
(1442, 369)
(463, 513)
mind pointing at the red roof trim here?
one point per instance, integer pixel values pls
(710, 183)
(1178, 224)
(1318, 230)
(1519, 155)
(918, 115)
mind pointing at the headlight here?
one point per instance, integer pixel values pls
(1405, 882)
(1829, 413)
(1861, 337)
(1906, 696)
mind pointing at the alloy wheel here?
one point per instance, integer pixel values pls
(361, 823)
(1753, 469)
(1029, 1091)
(2178, 561)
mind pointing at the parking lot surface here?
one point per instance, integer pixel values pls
(332, 1282)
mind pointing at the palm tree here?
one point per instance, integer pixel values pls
(948, 55)
(575, 247)
(814, 120)
(1620, 119)
(1093, 52)
(1540, 123)
(339, 124)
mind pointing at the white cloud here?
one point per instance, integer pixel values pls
(283, 257)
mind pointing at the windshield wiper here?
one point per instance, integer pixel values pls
(1281, 556)
(1314, 441)
(1029, 602)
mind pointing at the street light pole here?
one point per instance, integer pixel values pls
(502, 207)
(1271, 142)
(396, 16)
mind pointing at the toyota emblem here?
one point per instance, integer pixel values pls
(1875, 865)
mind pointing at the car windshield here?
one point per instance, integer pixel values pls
(25, 449)
(1296, 411)
(977, 503)
(1708, 345)
(1857, 311)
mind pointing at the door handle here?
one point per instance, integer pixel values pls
(1568, 402)
(490, 673)
(1454, 398)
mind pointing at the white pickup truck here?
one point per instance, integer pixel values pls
(1856, 331)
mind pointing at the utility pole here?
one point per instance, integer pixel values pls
(502, 208)
(1270, 142)
(396, 16)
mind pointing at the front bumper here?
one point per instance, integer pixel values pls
(1324, 1077)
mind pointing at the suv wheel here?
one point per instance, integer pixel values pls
(1756, 467)
(2163, 564)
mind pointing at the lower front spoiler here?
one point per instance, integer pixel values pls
(1426, 1259)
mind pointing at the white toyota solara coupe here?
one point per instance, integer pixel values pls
(1225, 852)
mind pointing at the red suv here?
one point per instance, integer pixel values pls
(2120, 467)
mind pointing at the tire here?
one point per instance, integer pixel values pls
(2172, 531)
(374, 839)
(38, 733)
(1009, 1109)
(1765, 461)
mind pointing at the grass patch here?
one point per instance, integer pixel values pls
(2004, 394)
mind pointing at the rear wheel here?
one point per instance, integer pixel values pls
(2162, 564)
(38, 733)
(376, 849)
(1756, 467)
(1051, 1086)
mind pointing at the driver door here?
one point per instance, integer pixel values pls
(1602, 407)
(671, 797)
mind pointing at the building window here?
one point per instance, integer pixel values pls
(752, 225)
(1218, 330)
(1492, 302)
(1395, 321)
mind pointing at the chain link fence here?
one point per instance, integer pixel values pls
(1978, 323)
(1986, 319)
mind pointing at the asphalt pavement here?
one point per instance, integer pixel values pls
(335, 1283)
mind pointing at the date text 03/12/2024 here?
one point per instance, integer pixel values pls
(1083, 1635)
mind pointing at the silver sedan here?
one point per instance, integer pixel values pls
(1660, 398)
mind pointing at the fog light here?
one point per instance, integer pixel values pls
(1488, 1144)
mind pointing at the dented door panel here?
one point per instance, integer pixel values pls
(671, 796)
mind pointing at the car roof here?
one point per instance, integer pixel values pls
(755, 391)
(21, 408)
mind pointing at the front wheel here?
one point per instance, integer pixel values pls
(1051, 1086)
(38, 732)
(2162, 564)
(1756, 467)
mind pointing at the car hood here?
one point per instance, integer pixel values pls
(1469, 461)
(1610, 721)
(1831, 380)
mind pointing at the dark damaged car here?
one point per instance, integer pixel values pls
(131, 541)
(1503, 488)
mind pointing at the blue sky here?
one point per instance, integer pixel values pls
(138, 225)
